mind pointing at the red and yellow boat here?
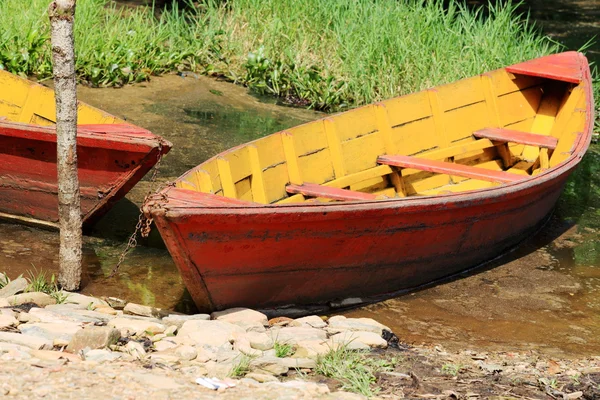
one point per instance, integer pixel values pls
(112, 155)
(384, 198)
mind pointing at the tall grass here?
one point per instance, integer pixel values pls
(324, 54)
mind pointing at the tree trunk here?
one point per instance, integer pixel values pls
(62, 13)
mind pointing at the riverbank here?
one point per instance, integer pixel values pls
(92, 348)
(326, 56)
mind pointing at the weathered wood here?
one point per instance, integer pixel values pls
(62, 14)
(509, 135)
(442, 167)
(313, 190)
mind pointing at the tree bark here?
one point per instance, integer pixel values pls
(62, 14)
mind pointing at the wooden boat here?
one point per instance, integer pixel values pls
(112, 155)
(384, 198)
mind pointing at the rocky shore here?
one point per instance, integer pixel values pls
(86, 347)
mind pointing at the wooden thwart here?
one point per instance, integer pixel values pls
(442, 167)
(314, 190)
(508, 135)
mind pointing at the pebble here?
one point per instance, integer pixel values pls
(39, 298)
(14, 287)
(93, 337)
(215, 333)
(240, 315)
(340, 323)
(145, 311)
(129, 326)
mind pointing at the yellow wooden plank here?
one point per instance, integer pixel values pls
(436, 112)
(543, 122)
(31, 104)
(572, 132)
(361, 153)
(460, 94)
(258, 185)
(273, 178)
(335, 149)
(227, 182)
(204, 181)
(369, 185)
(544, 163)
(243, 189)
(460, 123)
(297, 198)
(351, 179)
(359, 122)
(488, 88)
(291, 158)
(384, 128)
(564, 114)
(518, 106)
(415, 136)
(406, 109)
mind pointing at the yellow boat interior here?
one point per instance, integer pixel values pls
(27, 102)
(476, 133)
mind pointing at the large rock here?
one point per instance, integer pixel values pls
(178, 320)
(51, 330)
(293, 335)
(215, 333)
(241, 316)
(83, 300)
(357, 340)
(298, 363)
(61, 314)
(32, 342)
(6, 321)
(101, 355)
(144, 311)
(311, 349)
(259, 341)
(269, 365)
(14, 287)
(129, 326)
(39, 298)
(312, 321)
(4, 302)
(93, 337)
(340, 323)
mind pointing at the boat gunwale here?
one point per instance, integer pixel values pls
(462, 199)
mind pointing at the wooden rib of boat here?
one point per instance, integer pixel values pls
(112, 155)
(384, 198)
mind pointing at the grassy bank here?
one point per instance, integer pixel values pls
(327, 55)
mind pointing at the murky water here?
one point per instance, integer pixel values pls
(544, 295)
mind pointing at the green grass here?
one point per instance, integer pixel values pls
(354, 369)
(326, 55)
(283, 350)
(242, 367)
(39, 281)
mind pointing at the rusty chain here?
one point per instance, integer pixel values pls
(144, 223)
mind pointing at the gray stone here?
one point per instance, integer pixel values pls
(261, 377)
(259, 341)
(215, 333)
(84, 301)
(311, 321)
(293, 335)
(270, 365)
(340, 323)
(26, 317)
(356, 340)
(39, 298)
(99, 355)
(4, 302)
(14, 287)
(93, 337)
(58, 315)
(6, 347)
(32, 342)
(240, 315)
(179, 320)
(145, 311)
(64, 306)
(298, 362)
(136, 349)
(164, 345)
(50, 330)
(186, 353)
(311, 349)
(129, 326)
(350, 301)
(171, 330)
(7, 321)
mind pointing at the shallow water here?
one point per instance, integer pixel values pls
(545, 295)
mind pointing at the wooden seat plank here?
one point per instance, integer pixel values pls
(314, 190)
(442, 167)
(509, 135)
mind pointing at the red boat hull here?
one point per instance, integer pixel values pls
(111, 160)
(270, 257)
